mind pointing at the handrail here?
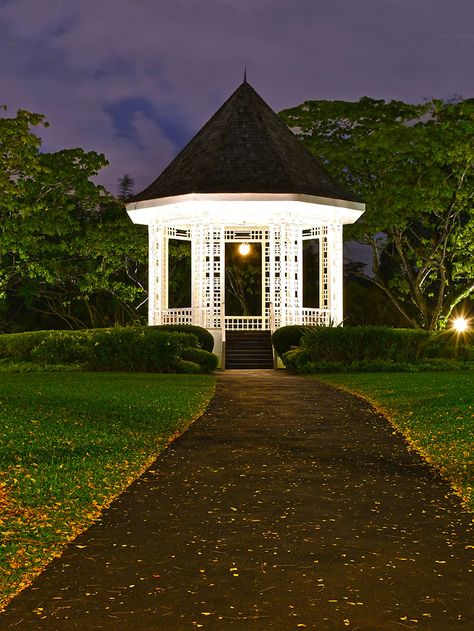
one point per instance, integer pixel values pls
(223, 321)
(223, 349)
(271, 317)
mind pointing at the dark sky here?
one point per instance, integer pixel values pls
(135, 79)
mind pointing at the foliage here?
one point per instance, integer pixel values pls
(207, 361)
(187, 367)
(375, 348)
(19, 346)
(68, 252)
(179, 273)
(298, 361)
(11, 366)
(145, 348)
(434, 412)
(126, 184)
(359, 343)
(70, 443)
(243, 280)
(205, 339)
(127, 348)
(287, 337)
(413, 166)
(365, 303)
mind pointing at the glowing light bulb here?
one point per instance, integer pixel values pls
(244, 248)
(460, 324)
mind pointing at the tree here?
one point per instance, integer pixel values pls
(126, 184)
(413, 166)
(243, 281)
(67, 250)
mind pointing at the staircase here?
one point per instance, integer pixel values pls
(248, 349)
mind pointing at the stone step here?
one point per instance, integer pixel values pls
(248, 349)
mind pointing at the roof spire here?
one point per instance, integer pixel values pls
(245, 74)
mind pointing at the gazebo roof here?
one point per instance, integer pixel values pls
(244, 148)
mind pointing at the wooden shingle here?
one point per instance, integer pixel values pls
(245, 148)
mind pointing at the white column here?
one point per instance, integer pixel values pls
(220, 290)
(197, 272)
(291, 261)
(335, 272)
(157, 273)
(281, 281)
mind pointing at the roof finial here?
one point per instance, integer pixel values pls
(245, 74)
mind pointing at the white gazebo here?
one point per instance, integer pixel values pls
(246, 178)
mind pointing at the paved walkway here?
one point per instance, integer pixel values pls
(288, 505)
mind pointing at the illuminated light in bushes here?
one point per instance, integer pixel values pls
(460, 325)
(244, 248)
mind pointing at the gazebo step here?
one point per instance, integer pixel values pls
(248, 349)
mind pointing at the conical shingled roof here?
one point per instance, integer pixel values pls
(245, 148)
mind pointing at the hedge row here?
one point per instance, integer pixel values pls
(318, 348)
(151, 349)
(287, 337)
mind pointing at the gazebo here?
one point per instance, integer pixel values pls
(245, 178)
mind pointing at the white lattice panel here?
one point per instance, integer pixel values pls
(157, 273)
(335, 270)
(282, 272)
(243, 323)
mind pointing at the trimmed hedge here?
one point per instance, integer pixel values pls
(349, 344)
(151, 349)
(189, 368)
(205, 339)
(287, 337)
(336, 348)
(207, 361)
(18, 346)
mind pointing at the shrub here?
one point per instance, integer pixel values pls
(185, 367)
(138, 349)
(120, 348)
(162, 350)
(380, 365)
(337, 344)
(207, 361)
(205, 339)
(286, 338)
(19, 346)
(296, 359)
(377, 348)
(62, 347)
(451, 344)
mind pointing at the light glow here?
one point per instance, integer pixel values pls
(244, 248)
(460, 325)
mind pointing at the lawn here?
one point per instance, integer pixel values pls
(70, 442)
(435, 411)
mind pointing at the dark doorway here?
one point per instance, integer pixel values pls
(243, 280)
(311, 279)
(179, 274)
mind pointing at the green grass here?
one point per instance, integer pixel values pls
(70, 442)
(435, 411)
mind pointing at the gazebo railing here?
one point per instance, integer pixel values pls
(244, 323)
(316, 317)
(203, 317)
(178, 316)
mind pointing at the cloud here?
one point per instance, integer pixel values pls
(136, 79)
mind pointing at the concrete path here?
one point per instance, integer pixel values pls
(288, 505)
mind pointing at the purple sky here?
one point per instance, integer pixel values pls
(135, 79)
